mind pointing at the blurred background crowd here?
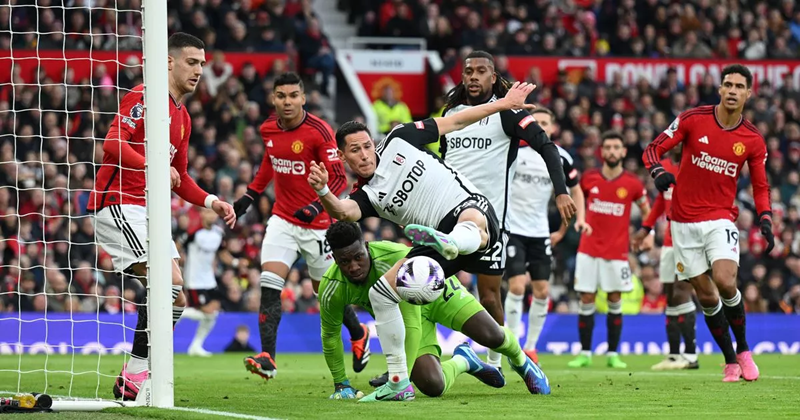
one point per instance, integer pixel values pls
(51, 134)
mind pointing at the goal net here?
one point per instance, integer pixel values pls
(67, 320)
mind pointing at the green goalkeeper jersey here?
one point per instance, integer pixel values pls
(336, 292)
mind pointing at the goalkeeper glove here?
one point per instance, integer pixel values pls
(241, 205)
(308, 213)
(343, 391)
(766, 231)
(662, 178)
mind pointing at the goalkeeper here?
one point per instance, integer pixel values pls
(358, 266)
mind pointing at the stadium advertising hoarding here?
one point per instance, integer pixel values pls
(642, 334)
(83, 63)
(405, 72)
(653, 70)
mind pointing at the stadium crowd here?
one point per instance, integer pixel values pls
(51, 136)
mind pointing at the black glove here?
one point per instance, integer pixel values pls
(241, 205)
(766, 230)
(663, 179)
(308, 213)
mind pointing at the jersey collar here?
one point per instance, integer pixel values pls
(491, 98)
(305, 115)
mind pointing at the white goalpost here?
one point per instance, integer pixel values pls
(66, 319)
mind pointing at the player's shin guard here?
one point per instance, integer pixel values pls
(511, 349)
(673, 331)
(719, 328)
(391, 331)
(586, 326)
(536, 317)
(352, 323)
(451, 369)
(269, 313)
(734, 312)
(614, 325)
(513, 309)
(467, 237)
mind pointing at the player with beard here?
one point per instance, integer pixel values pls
(486, 153)
(602, 260)
(445, 215)
(529, 247)
(118, 199)
(681, 318)
(717, 142)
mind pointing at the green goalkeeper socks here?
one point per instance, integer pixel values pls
(511, 348)
(451, 369)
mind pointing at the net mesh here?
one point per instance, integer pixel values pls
(66, 319)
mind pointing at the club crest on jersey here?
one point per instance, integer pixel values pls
(484, 121)
(622, 192)
(297, 146)
(399, 159)
(738, 148)
(680, 267)
(137, 111)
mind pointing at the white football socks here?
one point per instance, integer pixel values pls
(136, 365)
(536, 317)
(203, 329)
(390, 328)
(513, 308)
(493, 358)
(467, 237)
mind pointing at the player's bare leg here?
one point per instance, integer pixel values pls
(392, 335)
(273, 275)
(681, 321)
(614, 328)
(585, 328)
(724, 274)
(135, 371)
(470, 234)
(717, 323)
(489, 292)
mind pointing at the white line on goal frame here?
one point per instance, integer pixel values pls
(159, 238)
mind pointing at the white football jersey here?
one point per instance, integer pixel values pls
(411, 185)
(201, 252)
(486, 155)
(531, 191)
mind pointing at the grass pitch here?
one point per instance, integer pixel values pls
(303, 384)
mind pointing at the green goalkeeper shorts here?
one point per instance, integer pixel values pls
(453, 308)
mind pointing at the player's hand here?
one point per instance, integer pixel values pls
(566, 207)
(308, 213)
(555, 238)
(663, 179)
(343, 391)
(317, 176)
(582, 226)
(225, 211)
(766, 231)
(241, 205)
(642, 240)
(174, 178)
(516, 96)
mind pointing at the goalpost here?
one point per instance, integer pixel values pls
(51, 343)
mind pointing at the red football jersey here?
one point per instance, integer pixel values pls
(121, 178)
(608, 212)
(712, 160)
(287, 157)
(663, 204)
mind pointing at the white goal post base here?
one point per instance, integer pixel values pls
(86, 405)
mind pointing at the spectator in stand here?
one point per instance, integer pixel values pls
(390, 110)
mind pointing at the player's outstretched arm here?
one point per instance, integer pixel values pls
(346, 209)
(514, 99)
(331, 315)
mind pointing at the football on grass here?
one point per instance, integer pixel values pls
(420, 280)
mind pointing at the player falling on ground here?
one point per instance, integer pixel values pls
(602, 260)
(201, 290)
(358, 267)
(717, 142)
(529, 246)
(293, 139)
(402, 182)
(118, 197)
(681, 318)
(485, 152)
